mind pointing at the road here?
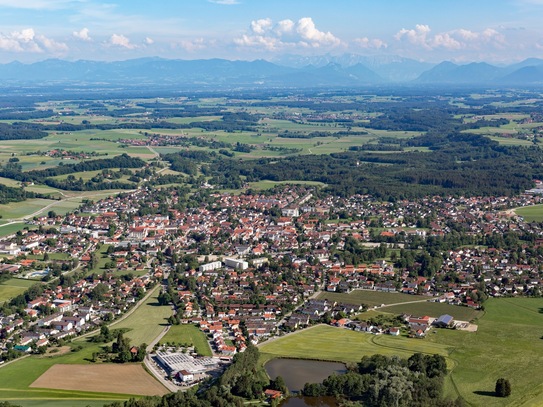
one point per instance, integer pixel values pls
(153, 369)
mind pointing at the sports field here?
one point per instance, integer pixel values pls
(109, 378)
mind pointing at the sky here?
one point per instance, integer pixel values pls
(498, 31)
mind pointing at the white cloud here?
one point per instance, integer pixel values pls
(307, 30)
(39, 4)
(417, 36)
(261, 26)
(148, 41)
(28, 41)
(286, 34)
(284, 27)
(119, 40)
(453, 40)
(196, 44)
(366, 42)
(82, 35)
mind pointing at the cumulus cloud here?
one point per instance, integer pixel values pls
(366, 42)
(307, 30)
(148, 41)
(28, 41)
(261, 26)
(119, 40)
(82, 35)
(453, 40)
(266, 34)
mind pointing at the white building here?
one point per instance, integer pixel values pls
(210, 266)
(237, 264)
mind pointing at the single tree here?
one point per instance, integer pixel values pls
(503, 387)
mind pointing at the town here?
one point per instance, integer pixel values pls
(245, 268)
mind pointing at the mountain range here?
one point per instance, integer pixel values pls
(289, 71)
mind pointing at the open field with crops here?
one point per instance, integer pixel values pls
(101, 378)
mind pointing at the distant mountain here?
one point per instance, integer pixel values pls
(527, 72)
(325, 71)
(449, 73)
(391, 68)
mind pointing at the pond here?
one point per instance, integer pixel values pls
(298, 372)
(301, 401)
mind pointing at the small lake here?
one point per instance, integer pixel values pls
(309, 402)
(298, 372)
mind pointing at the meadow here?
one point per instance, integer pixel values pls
(13, 288)
(325, 342)
(147, 322)
(507, 344)
(531, 213)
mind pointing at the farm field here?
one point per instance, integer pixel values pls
(9, 229)
(108, 378)
(531, 213)
(147, 322)
(371, 298)
(188, 334)
(37, 207)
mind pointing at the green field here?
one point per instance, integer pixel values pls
(13, 287)
(531, 213)
(370, 298)
(37, 207)
(188, 334)
(6, 230)
(329, 343)
(147, 322)
(507, 344)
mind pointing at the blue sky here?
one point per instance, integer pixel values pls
(430, 30)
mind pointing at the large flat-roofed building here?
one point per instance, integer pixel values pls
(237, 264)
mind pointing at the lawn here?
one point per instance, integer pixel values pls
(147, 322)
(324, 342)
(370, 298)
(188, 334)
(531, 213)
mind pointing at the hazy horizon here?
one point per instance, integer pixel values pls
(499, 31)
